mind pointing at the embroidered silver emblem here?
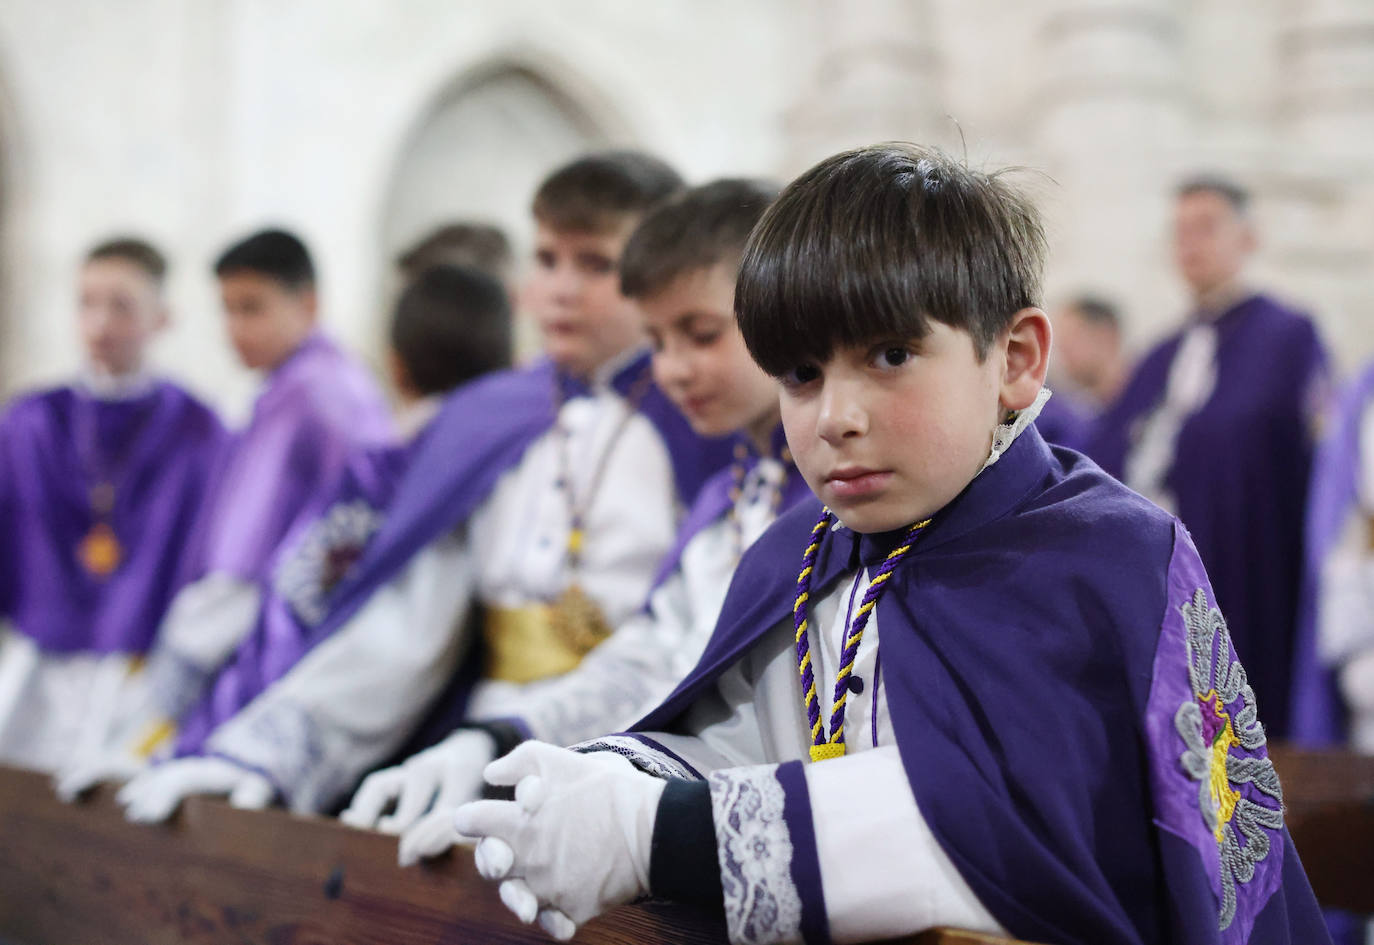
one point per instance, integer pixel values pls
(1210, 733)
(326, 552)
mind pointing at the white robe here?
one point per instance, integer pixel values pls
(641, 663)
(353, 700)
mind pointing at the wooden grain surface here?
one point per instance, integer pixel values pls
(80, 875)
(1329, 801)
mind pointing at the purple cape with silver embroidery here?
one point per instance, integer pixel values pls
(159, 449)
(1033, 666)
(283, 635)
(318, 408)
(482, 430)
(1318, 712)
(1240, 475)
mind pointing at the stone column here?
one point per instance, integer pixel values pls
(1110, 117)
(876, 77)
(1321, 240)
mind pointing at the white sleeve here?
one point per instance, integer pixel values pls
(208, 619)
(356, 697)
(844, 832)
(884, 873)
(721, 730)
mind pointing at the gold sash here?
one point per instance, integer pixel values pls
(526, 644)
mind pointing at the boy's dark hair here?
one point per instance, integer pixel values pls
(873, 243)
(479, 245)
(1097, 310)
(451, 324)
(598, 192)
(132, 250)
(695, 230)
(1224, 187)
(276, 254)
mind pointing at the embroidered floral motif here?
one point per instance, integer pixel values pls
(755, 849)
(642, 755)
(324, 555)
(1225, 751)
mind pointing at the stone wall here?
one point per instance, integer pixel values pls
(360, 122)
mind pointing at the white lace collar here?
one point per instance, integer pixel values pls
(1006, 433)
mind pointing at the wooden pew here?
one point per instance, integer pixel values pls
(1329, 801)
(82, 875)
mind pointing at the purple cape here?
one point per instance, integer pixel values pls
(1240, 475)
(482, 430)
(159, 450)
(318, 408)
(1034, 664)
(715, 499)
(1318, 711)
(1063, 421)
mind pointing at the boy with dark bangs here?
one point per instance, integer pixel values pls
(1054, 738)
(540, 500)
(679, 266)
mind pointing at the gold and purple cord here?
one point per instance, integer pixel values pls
(823, 747)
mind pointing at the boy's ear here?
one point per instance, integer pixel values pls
(1026, 350)
(310, 302)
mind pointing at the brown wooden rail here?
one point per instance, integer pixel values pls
(1329, 796)
(81, 875)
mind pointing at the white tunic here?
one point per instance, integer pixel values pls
(641, 663)
(354, 699)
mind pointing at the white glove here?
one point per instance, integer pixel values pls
(575, 841)
(153, 796)
(77, 778)
(430, 783)
(140, 725)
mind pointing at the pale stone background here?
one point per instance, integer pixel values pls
(361, 122)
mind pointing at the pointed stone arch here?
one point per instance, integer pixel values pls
(481, 144)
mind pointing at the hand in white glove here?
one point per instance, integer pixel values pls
(76, 779)
(575, 841)
(446, 775)
(153, 796)
(140, 726)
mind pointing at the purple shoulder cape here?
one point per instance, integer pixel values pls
(160, 450)
(404, 503)
(1318, 711)
(714, 499)
(1037, 662)
(1063, 421)
(316, 410)
(1240, 475)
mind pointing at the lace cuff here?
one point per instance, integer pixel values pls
(766, 843)
(283, 745)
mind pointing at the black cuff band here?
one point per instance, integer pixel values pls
(683, 865)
